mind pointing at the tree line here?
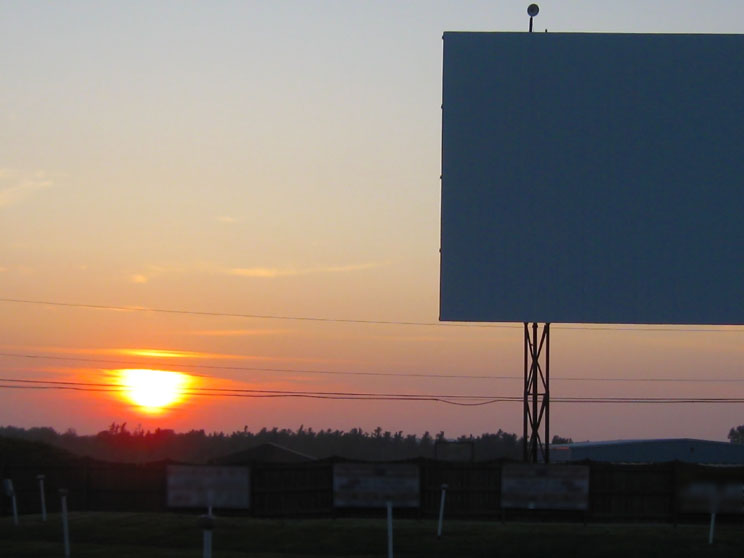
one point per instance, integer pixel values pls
(122, 444)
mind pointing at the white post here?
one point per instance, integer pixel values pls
(441, 511)
(15, 509)
(390, 528)
(206, 522)
(10, 493)
(43, 498)
(712, 527)
(65, 525)
(717, 496)
(207, 543)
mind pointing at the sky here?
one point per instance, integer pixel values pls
(282, 159)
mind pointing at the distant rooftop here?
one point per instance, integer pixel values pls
(263, 453)
(651, 451)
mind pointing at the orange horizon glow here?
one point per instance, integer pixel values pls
(152, 391)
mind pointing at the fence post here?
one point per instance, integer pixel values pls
(675, 493)
(10, 492)
(65, 525)
(390, 528)
(441, 511)
(40, 478)
(206, 522)
(86, 486)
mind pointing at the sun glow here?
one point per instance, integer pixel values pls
(153, 390)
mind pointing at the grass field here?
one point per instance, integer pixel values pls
(139, 535)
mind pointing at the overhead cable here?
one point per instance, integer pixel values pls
(175, 365)
(589, 327)
(451, 399)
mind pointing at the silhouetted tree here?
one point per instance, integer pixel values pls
(736, 435)
(117, 443)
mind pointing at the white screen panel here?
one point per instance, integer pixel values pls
(593, 178)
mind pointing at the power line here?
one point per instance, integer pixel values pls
(451, 399)
(360, 373)
(461, 400)
(681, 329)
(249, 316)
(253, 390)
(277, 396)
(259, 369)
(590, 400)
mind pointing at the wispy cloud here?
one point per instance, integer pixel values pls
(16, 186)
(23, 270)
(227, 219)
(268, 272)
(151, 272)
(238, 332)
(162, 354)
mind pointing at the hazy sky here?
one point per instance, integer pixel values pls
(282, 159)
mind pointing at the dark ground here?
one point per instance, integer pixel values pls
(115, 535)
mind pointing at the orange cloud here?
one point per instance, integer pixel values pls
(162, 353)
(291, 271)
(16, 187)
(238, 332)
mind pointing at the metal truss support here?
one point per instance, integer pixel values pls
(536, 393)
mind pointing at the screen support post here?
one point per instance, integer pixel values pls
(536, 393)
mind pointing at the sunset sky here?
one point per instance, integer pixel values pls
(282, 159)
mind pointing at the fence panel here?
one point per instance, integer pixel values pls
(126, 486)
(473, 489)
(296, 489)
(632, 492)
(617, 492)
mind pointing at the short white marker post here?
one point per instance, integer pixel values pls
(15, 509)
(712, 527)
(10, 493)
(40, 478)
(715, 503)
(206, 522)
(441, 511)
(65, 525)
(390, 528)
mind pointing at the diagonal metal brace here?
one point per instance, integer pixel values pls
(536, 393)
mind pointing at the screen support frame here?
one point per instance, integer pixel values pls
(536, 393)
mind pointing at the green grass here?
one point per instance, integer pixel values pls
(139, 535)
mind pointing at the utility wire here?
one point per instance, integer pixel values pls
(171, 365)
(279, 396)
(360, 321)
(257, 369)
(663, 401)
(252, 390)
(250, 316)
(462, 400)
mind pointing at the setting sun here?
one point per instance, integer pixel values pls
(152, 390)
